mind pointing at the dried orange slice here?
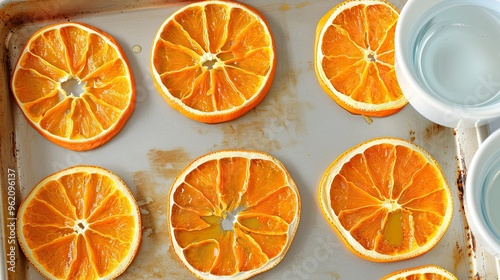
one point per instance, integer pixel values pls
(232, 214)
(80, 223)
(74, 85)
(426, 272)
(214, 61)
(387, 199)
(354, 57)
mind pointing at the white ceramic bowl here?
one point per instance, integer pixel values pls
(412, 18)
(485, 161)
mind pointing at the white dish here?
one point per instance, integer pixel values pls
(479, 191)
(442, 80)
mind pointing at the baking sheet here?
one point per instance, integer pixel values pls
(297, 123)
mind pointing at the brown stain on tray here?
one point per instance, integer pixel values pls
(155, 259)
(435, 139)
(269, 127)
(284, 7)
(18, 13)
(437, 136)
(461, 179)
(250, 135)
(458, 256)
(302, 5)
(412, 136)
(434, 129)
(273, 124)
(168, 163)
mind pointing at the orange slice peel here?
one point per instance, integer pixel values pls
(213, 61)
(232, 214)
(433, 272)
(387, 199)
(80, 223)
(74, 85)
(354, 57)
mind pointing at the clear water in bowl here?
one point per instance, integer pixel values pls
(457, 54)
(491, 197)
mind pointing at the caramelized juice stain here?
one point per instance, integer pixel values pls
(334, 275)
(282, 7)
(269, 127)
(412, 136)
(35, 11)
(168, 163)
(302, 5)
(250, 135)
(155, 259)
(458, 256)
(274, 123)
(310, 66)
(287, 80)
(433, 130)
(285, 7)
(149, 260)
(435, 139)
(460, 182)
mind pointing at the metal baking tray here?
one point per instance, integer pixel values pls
(296, 122)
